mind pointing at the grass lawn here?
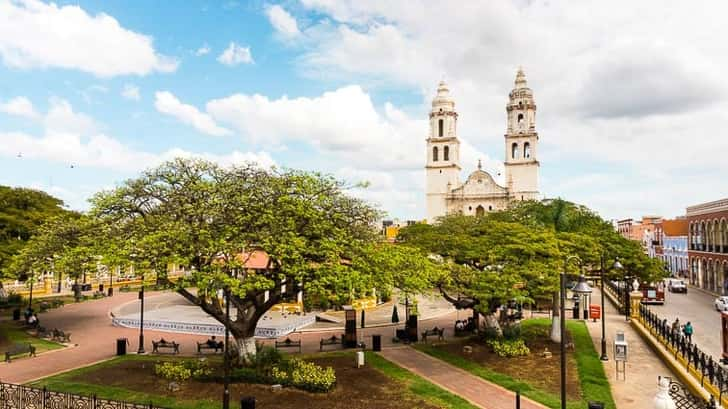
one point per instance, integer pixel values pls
(11, 333)
(592, 381)
(379, 384)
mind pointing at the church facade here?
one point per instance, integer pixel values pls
(480, 193)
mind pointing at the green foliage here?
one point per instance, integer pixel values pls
(181, 371)
(22, 212)
(511, 330)
(305, 375)
(508, 348)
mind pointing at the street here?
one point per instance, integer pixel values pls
(696, 307)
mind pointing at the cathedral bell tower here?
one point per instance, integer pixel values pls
(443, 153)
(521, 142)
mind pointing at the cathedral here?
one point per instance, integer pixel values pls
(480, 193)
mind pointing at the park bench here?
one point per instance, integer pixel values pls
(440, 332)
(18, 349)
(334, 340)
(156, 345)
(288, 343)
(60, 336)
(217, 347)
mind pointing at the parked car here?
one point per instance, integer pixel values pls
(676, 285)
(721, 303)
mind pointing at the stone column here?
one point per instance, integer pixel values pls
(635, 297)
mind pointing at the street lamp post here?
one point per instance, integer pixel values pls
(617, 266)
(562, 325)
(141, 311)
(226, 358)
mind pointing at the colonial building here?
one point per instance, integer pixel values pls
(672, 237)
(480, 193)
(642, 231)
(708, 241)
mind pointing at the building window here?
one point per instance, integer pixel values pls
(526, 150)
(446, 153)
(490, 208)
(441, 127)
(434, 153)
(514, 151)
(520, 118)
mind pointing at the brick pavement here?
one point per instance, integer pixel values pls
(638, 390)
(476, 390)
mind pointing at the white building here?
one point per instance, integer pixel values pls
(480, 193)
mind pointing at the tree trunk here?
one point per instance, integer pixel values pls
(556, 319)
(246, 349)
(491, 321)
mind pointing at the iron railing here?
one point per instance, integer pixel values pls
(701, 365)
(25, 397)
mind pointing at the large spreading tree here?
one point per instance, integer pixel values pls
(519, 252)
(22, 212)
(211, 218)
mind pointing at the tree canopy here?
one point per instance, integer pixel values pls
(22, 212)
(519, 252)
(212, 218)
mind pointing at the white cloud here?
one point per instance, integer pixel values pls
(282, 21)
(62, 118)
(643, 101)
(131, 91)
(204, 50)
(235, 54)
(167, 103)
(20, 106)
(34, 34)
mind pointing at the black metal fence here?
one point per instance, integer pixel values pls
(701, 365)
(616, 289)
(25, 397)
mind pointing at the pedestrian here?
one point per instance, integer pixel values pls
(688, 331)
(676, 326)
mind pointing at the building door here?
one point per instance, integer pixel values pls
(479, 211)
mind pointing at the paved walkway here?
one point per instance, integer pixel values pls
(94, 338)
(643, 366)
(477, 391)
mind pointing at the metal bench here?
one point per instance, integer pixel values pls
(218, 347)
(288, 343)
(60, 336)
(440, 332)
(334, 340)
(165, 344)
(18, 349)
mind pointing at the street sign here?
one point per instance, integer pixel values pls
(595, 311)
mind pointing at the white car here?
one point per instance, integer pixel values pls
(675, 285)
(721, 303)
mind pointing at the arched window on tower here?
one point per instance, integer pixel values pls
(514, 151)
(446, 153)
(526, 150)
(441, 128)
(434, 153)
(520, 118)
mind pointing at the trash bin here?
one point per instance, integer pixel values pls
(247, 402)
(111, 291)
(376, 343)
(121, 346)
(596, 405)
(16, 314)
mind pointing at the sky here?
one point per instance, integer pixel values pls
(630, 95)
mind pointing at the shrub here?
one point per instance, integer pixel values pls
(490, 333)
(508, 348)
(512, 331)
(181, 371)
(305, 375)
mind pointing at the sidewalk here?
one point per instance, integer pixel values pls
(643, 365)
(477, 391)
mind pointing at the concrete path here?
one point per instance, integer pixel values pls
(643, 366)
(477, 391)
